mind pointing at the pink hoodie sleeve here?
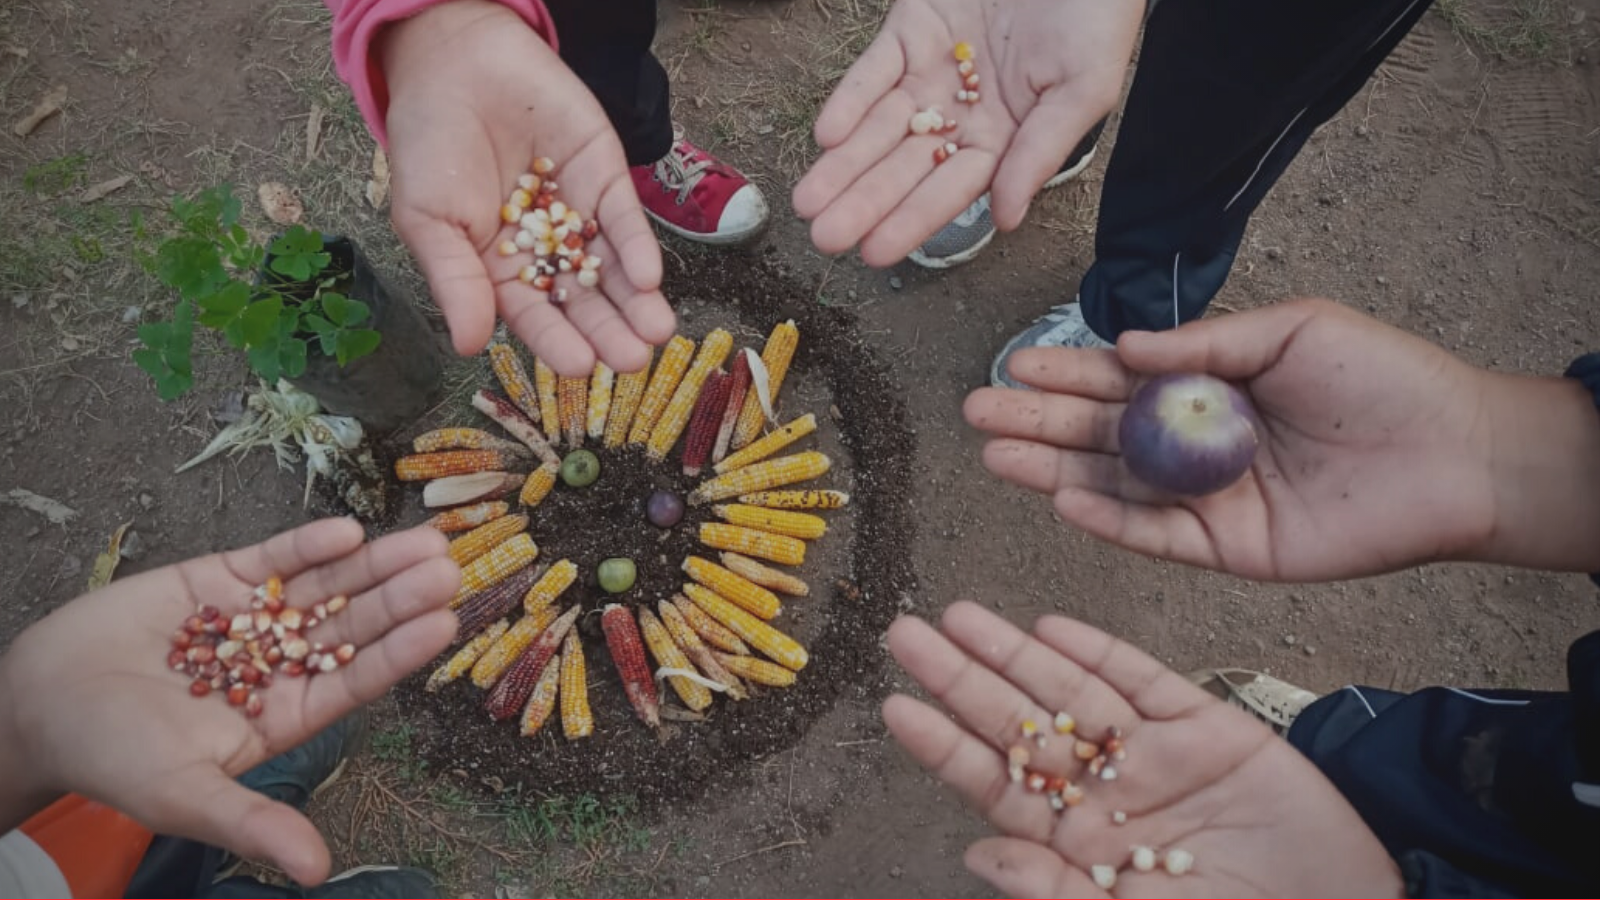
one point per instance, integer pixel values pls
(356, 23)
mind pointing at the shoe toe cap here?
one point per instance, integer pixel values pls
(746, 212)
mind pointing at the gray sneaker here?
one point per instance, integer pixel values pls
(1062, 326)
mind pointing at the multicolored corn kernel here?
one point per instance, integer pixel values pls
(625, 399)
(797, 499)
(484, 538)
(705, 420)
(771, 642)
(538, 484)
(500, 408)
(544, 381)
(669, 371)
(752, 597)
(577, 720)
(513, 377)
(765, 576)
(627, 653)
(668, 655)
(461, 661)
(785, 551)
(675, 418)
(600, 388)
(773, 521)
(496, 566)
(775, 357)
(764, 475)
(770, 444)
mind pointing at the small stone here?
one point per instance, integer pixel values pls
(1382, 280)
(1288, 640)
(1362, 131)
(1310, 650)
(1274, 253)
(132, 314)
(132, 545)
(896, 872)
(896, 283)
(20, 301)
(146, 499)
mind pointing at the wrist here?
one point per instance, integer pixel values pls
(409, 48)
(23, 791)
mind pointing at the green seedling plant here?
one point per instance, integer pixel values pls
(276, 316)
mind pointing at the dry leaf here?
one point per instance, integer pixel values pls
(314, 131)
(155, 173)
(105, 565)
(104, 189)
(49, 105)
(56, 512)
(14, 50)
(378, 187)
(280, 203)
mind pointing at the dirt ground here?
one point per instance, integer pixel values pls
(1455, 196)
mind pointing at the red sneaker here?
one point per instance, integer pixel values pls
(693, 194)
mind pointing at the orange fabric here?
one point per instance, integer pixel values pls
(96, 847)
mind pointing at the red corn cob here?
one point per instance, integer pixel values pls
(511, 693)
(500, 408)
(481, 609)
(739, 386)
(627, 652)
(705, 420)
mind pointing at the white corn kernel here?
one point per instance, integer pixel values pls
(528, 181)
(967, 67)
(1119, 817)
(1177, 861)
(526, 240)
(1144, 859)
(565, 265)
(527, 274)
(543, 165)
(1064, 723)
(1104, 876)
(588, 278)
(558, 211)
(508, 248)
(590, 262)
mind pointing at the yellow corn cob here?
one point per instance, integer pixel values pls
(495, 566)
(600, 399)
(504, 651)
(697, 651)
(797, 499)
(572, 397)
(713, 350)
(766, 474)
(776, 356)
(543, 699)
(466, 518)
(463, 659)
(740, 590)
(625, 396)
(539, 483)
(554, 582)
(694, 695)
(577, 720)
(428, 466)
(765, 576)
(674, 362)
(710, 630)
(783, 550)
(463, 439)
(776, 645)
(514, 378)
(544, 379)
(484, 538)
(769, 445)
(773, 521)
(757, 670)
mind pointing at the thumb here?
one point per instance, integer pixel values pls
(220, 811)
(456, 276)
(1020, 868)
(1235, 347)
(1051, 129)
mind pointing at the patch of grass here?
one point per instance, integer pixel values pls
(395, 746)
(1518, 29)
(584, 820)
(55, 176)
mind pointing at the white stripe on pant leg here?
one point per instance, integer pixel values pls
(1175, 258)
(1492, 701)
(1263, 161)
(1359, 696)
(1397, 21)
(1587, 794)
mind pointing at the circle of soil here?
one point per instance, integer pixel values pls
(857, 572)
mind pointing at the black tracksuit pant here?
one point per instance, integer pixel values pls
(608, 45)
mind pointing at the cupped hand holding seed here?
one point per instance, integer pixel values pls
(88, 705)
(475, 97)
(1198, 779)
(1047, 71)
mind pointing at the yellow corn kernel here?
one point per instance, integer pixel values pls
(600, 384)
(461, 662)
(697, 651)
(783, 550)
(572, 398)
(757, 670)
(767, 577)
(505, 650)
(769, 445)
(694, 695)
(428, 466)
(766, 474)
(508, 369)
(713, 350)
(710, 630)
(463, 439)
(496, 566)
(551, 585)
(776, 645)
(543, 699)
(466, 518)
(674, 362)
(484, 538)
(963, 52)
(773, 521)
(740, 590)
(544, 380)
(539, 483)
(776, 357)
(797, 499)
(625, 396)
(577, 720)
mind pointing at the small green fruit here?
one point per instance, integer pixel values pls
(580, 468)
(617, 574)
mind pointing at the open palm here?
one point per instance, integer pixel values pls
(1374, 454)
(113, 723)
(1199, 775)
(1049, 69)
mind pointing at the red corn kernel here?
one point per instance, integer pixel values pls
(543, 282)
(940, 155)
(253, 705)
(344, 653)
(209, 613)
(199, 687)
(238, 694)
(202, 654)
(182, 639)
(249, 675)
(294, 668)
(591, 229)
(273, 656)
(194, 625)
(176, 660)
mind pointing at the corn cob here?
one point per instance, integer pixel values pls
(773, 521)
(738, 386)
(710, 630)
(484, 538)
(544, 379)
(713, 350)
(572, 399)
(538, 484)
(513, 377)
(776, 356)
(781, 549)
(455, 490)
(757, 670)
(504, 412)
(772, 443)
(625, 398)
(797, 499)
(769, 578)
(466, 518)
(551, 585)
(542, 701)
(697, 651)
(703, 422)
(511, 692)
(694, 695)
(766, 474)
(485, 606)
(740, 590)
(674, 362)
(496, 566)
(463, 439)
(502, 653)
(576, 718)
(776, 645)
(461, 661)
(627, 652)
(600, 385)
